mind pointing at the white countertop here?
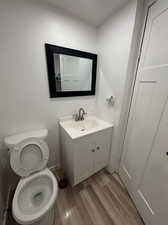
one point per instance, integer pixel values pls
(89, 125)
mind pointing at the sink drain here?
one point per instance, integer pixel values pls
(83, 129)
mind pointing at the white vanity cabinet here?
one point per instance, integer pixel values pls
(84, 156)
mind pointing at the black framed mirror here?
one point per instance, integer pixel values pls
(70, 72)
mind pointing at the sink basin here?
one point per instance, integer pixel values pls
(89, 125)
(84, 125)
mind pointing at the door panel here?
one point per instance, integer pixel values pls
(154, 184)
(151, 96)
(144, 166)
(156, 53)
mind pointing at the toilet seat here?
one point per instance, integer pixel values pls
(34, 197)
(29, 156)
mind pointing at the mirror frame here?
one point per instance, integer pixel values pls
(50, 51)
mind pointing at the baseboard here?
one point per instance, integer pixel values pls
(110, 170)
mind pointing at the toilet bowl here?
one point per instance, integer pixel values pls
(37, 189)
(34, 197)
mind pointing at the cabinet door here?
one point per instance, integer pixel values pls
(84, 154)
(102, 142)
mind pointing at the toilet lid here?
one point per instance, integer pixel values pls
(29, 156)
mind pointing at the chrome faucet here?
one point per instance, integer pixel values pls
(80, 115)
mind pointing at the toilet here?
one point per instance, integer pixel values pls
(37, 189)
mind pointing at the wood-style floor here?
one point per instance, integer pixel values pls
(100, 200)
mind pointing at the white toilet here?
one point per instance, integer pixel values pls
(37, 189)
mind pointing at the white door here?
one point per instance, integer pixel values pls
(144, 166)
(70, 70)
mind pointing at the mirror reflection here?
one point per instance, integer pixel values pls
(72, 73)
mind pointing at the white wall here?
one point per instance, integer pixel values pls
(24, 93)
(114, 41)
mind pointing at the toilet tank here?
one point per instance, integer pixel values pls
(17, 138)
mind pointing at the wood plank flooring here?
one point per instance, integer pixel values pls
(100, 200)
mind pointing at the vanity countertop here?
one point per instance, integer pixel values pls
(89, 125)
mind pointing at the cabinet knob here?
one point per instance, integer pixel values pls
(93, 150)
(98, 148)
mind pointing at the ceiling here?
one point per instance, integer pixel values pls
(94, 12)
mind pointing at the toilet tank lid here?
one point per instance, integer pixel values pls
(17, 138)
